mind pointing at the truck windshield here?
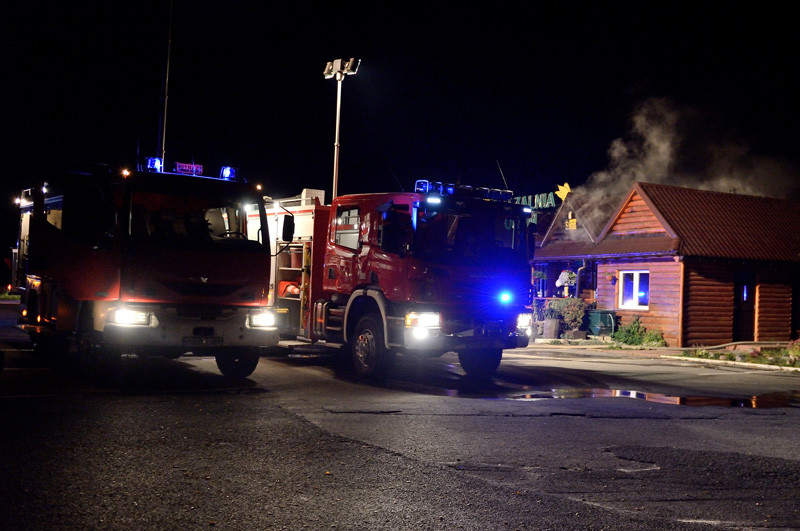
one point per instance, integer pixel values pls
(165, 219)
(457, 237)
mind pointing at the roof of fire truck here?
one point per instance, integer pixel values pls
(190, 184)
(433, 193)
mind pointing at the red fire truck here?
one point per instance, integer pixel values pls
(149, 263)
(444, 268)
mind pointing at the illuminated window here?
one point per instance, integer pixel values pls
(347, 228)
(634, 290)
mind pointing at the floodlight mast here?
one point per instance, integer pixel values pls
(338, 69)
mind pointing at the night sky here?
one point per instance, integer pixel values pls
(552, 91)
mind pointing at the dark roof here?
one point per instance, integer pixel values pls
(698, 223)
(721, 225)
(642, 245)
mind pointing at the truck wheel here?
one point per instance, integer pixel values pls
(480, 362)
(237, 363)
(55, 347)
(87, 341)
(90, 352)
(371, 359)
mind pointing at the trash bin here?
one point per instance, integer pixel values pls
(602, 322)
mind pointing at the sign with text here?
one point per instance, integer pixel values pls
(543, 201)
(188, 169)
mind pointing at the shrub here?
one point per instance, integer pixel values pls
(571, 309)
(794, 347)
(538, 310)
(551, 311)
(636, 334)
(539, 275)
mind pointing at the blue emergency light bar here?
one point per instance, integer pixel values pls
(227, 173)
(155, 164)
(424, 186)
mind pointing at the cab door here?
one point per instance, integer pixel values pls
(387, 266)
(342, 250)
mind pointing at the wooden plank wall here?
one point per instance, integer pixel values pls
(773, 306)
(664, 311)
(708, 304)
(636, 218)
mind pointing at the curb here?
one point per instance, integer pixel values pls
(733, 363)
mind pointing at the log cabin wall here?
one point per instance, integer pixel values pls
(773, 319)
(708, 303)
(664, 308)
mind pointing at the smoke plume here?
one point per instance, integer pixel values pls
(679, 146)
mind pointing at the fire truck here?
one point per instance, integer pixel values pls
(442, 269)
(148, 262)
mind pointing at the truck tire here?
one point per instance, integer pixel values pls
(55, 347)
(371, 359)
(87, 340)
(480, 362)
(90, 352)
(237, 362)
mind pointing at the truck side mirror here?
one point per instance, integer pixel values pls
(288, 228)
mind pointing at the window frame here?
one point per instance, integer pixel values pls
(354, 229)
(636, 275)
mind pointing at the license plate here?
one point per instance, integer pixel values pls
(202, 341)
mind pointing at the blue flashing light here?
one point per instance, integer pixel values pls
(155, 164)
(422, 186)
(434, 200)
(227, 173)
(505, 297)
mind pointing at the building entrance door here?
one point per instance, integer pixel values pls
(744, 307)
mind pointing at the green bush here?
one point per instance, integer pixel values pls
(636, 334)
(572, 310)
(538, 309)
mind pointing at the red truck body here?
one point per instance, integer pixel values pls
(438, 270)
(152, 263)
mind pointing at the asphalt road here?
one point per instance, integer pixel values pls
(560, 439)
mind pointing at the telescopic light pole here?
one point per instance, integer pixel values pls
(338, 69)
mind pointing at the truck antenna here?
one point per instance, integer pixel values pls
(501, 173)
(164, 96)
(397, 180)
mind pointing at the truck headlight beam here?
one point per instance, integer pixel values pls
(129, 317)
(263, 319)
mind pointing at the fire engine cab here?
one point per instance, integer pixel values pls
(149, 262)
(442, 269)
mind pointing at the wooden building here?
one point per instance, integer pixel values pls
(705, 268)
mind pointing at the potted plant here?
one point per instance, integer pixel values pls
(573, 311)
(552, 319)
(566, 279)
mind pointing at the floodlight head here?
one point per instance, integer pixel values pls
(341, 67)
(351, 67)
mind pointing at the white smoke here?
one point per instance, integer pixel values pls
(679, 146)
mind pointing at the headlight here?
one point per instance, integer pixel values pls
(423, 320)
(129, 317)
(524, 321)
(505, 297)
(264, 319)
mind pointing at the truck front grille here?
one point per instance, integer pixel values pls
(202, 290)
